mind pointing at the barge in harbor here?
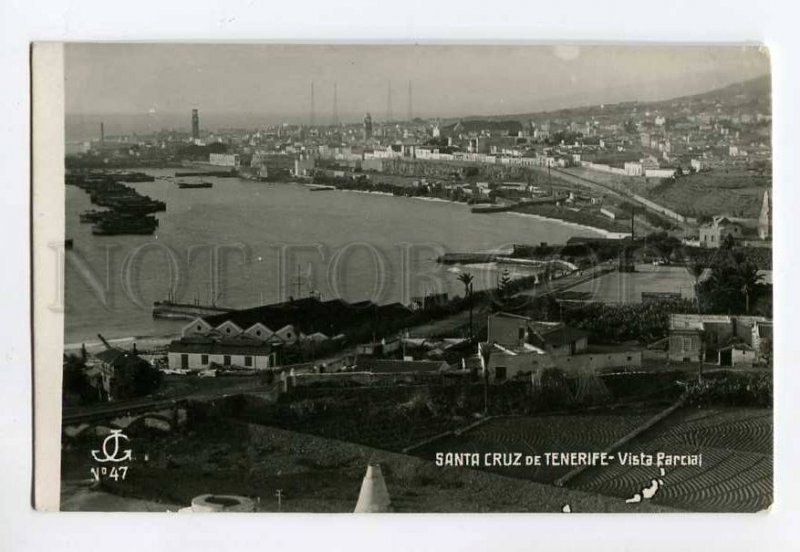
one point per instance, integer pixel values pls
(190, 185)
(116, 224)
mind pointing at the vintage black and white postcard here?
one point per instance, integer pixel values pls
(402, 278)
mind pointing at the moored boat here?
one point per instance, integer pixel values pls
(204, 184)
(93, 216)
(118, 224)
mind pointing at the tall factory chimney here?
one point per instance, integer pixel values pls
(335, 105)
(195, 124)
(311, 115)
(102, 133)
(389, 103)
(410, 103)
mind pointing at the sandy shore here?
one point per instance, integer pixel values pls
(143, 343)
(606, 233)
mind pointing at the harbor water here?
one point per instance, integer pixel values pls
(243, 243)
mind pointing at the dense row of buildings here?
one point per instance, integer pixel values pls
(256, 338)
(650, 141)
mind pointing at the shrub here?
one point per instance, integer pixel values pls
(732, 389)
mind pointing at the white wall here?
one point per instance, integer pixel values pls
(260, 362)
(659, 173)
(533, 363)
(598, 361)
(518, 364)
(224, 159)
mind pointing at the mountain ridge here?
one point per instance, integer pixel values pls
(756, 87)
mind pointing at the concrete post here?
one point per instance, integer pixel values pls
(374, 496)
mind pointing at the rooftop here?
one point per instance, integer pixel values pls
(698, 321)
(560, 336)
(222, 347)
(310, 315)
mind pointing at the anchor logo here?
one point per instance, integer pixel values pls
(111, 456)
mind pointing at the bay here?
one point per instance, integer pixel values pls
(244, 243)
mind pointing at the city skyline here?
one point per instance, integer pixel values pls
(272, 83)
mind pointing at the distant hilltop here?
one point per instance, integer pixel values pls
(759, 88)
(755, 91)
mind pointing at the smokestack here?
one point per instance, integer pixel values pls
(410, 103)
(389, 102)
(335, 105)
(195, 124)
(102, 133)
(311, 116)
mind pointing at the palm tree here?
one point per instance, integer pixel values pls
(750, 278)
(503, 283)
(695, 271)
(731, 278)
(466, 279)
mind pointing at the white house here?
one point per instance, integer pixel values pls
(198, 353)
(659, 173)
(634, 168)
(224, 159)
(713, 234)
(304, 166)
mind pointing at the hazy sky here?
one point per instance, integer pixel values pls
(273, 81)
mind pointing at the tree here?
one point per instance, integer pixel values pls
(695, 271)
(767, 350)
(733, 282)
(77, 389)
(466, 279)
(503, 284)
(747, 274)
(133, 377)
(728, 242)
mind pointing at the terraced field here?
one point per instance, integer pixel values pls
(540, 434)
(736, 472)
(736, 193)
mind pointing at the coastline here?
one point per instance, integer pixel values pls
(147, 338)
(602, 231)
(363, 192)
(143, 343)
(605, 233)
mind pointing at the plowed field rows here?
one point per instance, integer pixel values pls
(736, 470)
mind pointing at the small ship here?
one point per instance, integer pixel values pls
(204, 184)
(118, 224)
(93, 216)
